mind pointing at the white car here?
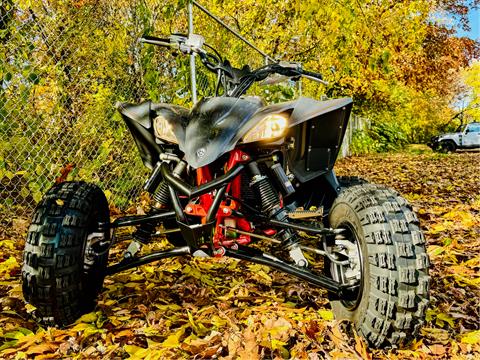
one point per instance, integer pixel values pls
(466, 137)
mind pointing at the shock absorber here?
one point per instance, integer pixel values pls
(162, 194)
(161, 197)
(267, 196)
(263, 189)
(270, 203)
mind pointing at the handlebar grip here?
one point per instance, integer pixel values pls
(312, 74)
(156, 41)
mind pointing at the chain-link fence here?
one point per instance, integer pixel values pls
(63, 66)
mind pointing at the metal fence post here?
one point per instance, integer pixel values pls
(193, 78)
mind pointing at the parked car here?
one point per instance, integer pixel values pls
(466, 137)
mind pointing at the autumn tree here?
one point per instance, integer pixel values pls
(471, 79)
(398, 64)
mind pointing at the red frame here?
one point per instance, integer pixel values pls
(204, 175)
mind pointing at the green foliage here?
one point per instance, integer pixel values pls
(387, 136)
(362, 143)
(379, 137)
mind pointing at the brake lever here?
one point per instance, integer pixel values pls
(274, 79)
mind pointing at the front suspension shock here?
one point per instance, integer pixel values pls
(270, 204)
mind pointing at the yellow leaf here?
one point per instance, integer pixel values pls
(198, 328)
(9, 244)
(88, 318)
(277, 344)
(108, 194)
(114, 320)
(263, 277)
(149, 269)
(60, 202)
(438, 228)
(136, 351)
(133, 285)
(173, 307)
(30, 308)
(472, 337)
(80, 327)
(326, 314)
(173, 340)
(442, 318)
(8, 265)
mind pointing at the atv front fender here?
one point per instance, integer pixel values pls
(317, 135)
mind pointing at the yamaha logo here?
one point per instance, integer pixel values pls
(201, 152)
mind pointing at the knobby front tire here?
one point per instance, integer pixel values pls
(395, 280)
(61, 275)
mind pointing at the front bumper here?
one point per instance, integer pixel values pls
(433, 143)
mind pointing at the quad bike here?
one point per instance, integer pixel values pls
(230, 176)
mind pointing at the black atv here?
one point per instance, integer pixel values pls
(230, 172)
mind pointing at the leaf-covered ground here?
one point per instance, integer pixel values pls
(220, 308)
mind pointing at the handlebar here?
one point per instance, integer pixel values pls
(241, 79)
(292, 70)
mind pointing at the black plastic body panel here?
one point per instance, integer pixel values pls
(213, 128)
(317, 143)
(216, 125)
(139, 120)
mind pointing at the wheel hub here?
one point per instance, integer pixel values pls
(96, 245)
(352, 273)
(346, 265)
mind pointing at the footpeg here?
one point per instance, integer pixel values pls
(300, 213)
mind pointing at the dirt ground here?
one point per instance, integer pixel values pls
(220, 308)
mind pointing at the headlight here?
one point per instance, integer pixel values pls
(270, 127)
(164, 130)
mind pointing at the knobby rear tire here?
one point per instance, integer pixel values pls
(395, 284)
(61, 275)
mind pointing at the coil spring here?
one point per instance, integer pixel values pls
(162, 195)
(267, 195)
